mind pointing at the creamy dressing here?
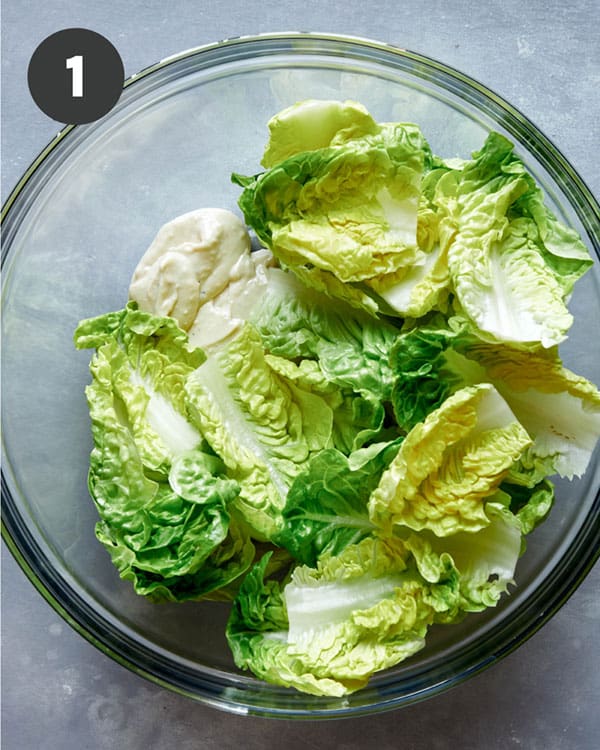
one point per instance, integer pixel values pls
(200, 270)
(222, 317)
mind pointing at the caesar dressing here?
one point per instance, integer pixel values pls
(222, 317)
(200, 270)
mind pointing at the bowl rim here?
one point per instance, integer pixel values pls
(532, 615)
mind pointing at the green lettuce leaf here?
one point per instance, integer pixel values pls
(355, 295)
(485, 561)
(449, 464)
(263, 426)
(417, 290)
(511, 263)
(144, 360)
(529, 504)
(328, 628)
(351, 347)
(257, 633)
(331, 627)
(326, 508)
(164, 535)
(161, 575)
(558, 408)
(357, 419)
(313, 124)
(349, 208)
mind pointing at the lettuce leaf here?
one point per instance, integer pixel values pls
(263, 426)
(512, 264)
(351, 347)
(349, 208)
(164, 535)
(144, 361)
(485, 561)
(357, 295)
(367, 604)
(331, 627)
(357, 419)
(326, 508)
(415, 291)
(313, 124)
(449, 464)
(558, 408)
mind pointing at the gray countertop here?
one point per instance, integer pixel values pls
(58, 691)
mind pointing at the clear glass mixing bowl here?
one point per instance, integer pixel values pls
(73, 231)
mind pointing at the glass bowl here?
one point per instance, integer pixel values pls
(73, 231)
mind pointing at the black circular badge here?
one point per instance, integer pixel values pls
(75, 76)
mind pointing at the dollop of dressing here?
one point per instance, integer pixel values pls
(200, 270)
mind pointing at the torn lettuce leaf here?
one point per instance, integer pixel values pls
(313, 124)
(425, 286)
(142, 361)
(349, 208)
(357, 419)
(327, 505)
(350, 346)
(485, 561)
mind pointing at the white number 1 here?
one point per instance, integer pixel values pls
(76, 65)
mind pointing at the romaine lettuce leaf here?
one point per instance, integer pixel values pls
(511, 263)
(158, 570)
(171, 537)
(485, 561)
(326, 508)
(313, 124)
(357, 419)
(263, 426)
(415, 291)
(349, 209)
(358, 296)
(449, 464)
(368, 605)
(351, 347)
(257, 634)
(143, 361)
(530, 505)
(331, 627)
(559, 409)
